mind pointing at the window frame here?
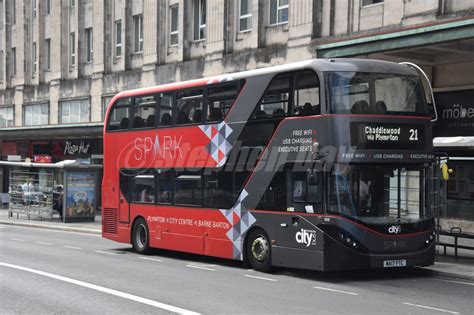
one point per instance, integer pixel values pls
(32, 106)
(34, 57)
(34, 8)
(171, 31)
(48, 7)
(14, 62)
(199, 16)
(47, 48)
(278, 8)
(69, 101)
(9, 111)
(118, 38)
(248, 15)
(363, 3)
(72, 49)
(89, 45)
(138, 33)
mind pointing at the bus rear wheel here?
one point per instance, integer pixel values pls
(140, 237)
(259, 250)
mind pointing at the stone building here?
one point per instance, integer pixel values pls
(61, 61)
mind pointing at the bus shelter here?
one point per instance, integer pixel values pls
(66, 189)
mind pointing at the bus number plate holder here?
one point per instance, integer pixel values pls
(394, 263)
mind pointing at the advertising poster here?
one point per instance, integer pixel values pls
(80, 194)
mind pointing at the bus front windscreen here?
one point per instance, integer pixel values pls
(380, 194)
(375, 94)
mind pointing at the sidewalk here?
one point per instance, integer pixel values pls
(54, 224)
(448, 266)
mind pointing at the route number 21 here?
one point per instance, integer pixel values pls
(413, 134)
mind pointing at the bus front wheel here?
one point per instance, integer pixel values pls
(140, 237)
(259, 250)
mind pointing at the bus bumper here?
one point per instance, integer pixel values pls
(340, 257)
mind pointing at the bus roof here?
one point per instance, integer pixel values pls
(323, 65)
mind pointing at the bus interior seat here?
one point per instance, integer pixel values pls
(379, 108)
(150, 121)
(261, 114)
(183, 118)
(124, 123)
(216, 114)
(316, 109)
(306, 110)
(279, 113)
(197, 117)
(165, 119)
(138, 122)
(360, 107)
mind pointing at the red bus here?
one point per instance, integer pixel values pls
(321, 164)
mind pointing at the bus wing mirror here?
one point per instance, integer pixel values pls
(313, 177)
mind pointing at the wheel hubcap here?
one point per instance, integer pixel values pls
(141, 236)
(260, 249)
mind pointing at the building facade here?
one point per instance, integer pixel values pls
(61, 61)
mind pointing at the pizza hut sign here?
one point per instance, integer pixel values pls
(75, 148)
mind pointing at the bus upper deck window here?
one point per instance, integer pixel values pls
(166, 109)
(220, 99)
(306, 94)
(144, 112)
(119, 118)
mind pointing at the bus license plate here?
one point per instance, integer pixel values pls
(394, 263)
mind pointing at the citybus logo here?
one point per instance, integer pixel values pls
(306, 237)
(395, 229)
(457, 111)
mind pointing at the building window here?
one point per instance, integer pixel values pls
(47, 49)
(89, 45)
(6, 116)
(278, 12)
(48, 6)
(118, 38)
(75, 111)
(2, 65)
(13, 18)
(138, 28)
(72, 45)
(245, 19)
(34, 58)
(33, 5)
(37, 114)
(199, 19)
(73, 3)
(174, 25)
(13, 65)
(369, 2)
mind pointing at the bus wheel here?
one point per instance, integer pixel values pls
(259, 250)
(140, 237)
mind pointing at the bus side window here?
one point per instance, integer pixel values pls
(306, 94)
(144, 112)
(274, 197)
(220, 99)
(164, 186)
(119, 118)
(189, 106)
(166, 109)
(275, 101)
(143, 187)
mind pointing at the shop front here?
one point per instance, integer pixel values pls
(47, 147)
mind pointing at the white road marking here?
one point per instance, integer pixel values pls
(17, 239)
(454, 281)
(72, 247)
(431, 308)
(200, 267)
(334, 290)
(260, 278)
(43, 243)
(108, 253)
(151, 259)
(99, 288)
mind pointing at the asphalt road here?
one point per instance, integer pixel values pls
(44, 271)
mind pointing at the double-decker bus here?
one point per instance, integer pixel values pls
(321, 164)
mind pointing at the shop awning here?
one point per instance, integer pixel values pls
(453, 142)
(440, 42)
(50, 132)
